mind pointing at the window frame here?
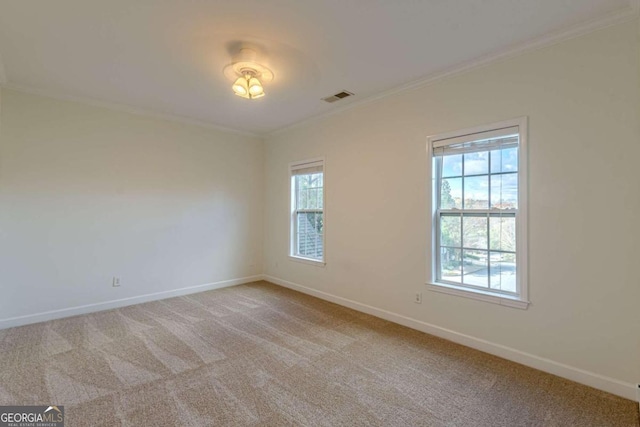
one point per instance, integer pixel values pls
(293, 212)
(521, 298)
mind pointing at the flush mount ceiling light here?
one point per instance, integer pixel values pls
(247, 75)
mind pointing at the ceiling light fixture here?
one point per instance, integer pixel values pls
(248, 85)
(248, 75)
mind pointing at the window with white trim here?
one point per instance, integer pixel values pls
(307, 210)
(479, 213)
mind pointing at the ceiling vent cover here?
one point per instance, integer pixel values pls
(337, 96)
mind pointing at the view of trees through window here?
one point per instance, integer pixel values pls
(309, 215)
(477, 218)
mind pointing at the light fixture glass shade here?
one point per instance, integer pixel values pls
(255, 88)
(241, 88)
(247, 76)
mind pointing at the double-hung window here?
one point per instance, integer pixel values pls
(479, 213)
(307, 211)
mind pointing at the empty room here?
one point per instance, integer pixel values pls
(319, 213)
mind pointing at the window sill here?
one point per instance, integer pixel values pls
(309, 261)
(479, 295)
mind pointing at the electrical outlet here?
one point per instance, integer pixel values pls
(116, 282)
(418, 298)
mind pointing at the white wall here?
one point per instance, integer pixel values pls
(89, 193)
(582, 100)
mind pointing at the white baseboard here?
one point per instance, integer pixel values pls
(600, 382)
(108, 305)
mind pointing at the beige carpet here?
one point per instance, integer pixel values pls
(260, 354)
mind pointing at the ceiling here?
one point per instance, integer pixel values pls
(167, 57)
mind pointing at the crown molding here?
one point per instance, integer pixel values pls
(125, 108)
(614, 18)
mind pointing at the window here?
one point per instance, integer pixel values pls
(307, 211)
(479, 213)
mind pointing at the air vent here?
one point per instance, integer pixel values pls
(337, 96)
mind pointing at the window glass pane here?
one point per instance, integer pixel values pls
(316, 194)
(309, 230)
(475, 268)
(312, 199)
(309, 191)
(308, 226)
(452, 166)
(476, 192)
(475, 232)
(502, 271)
(301, 194)
(451, 193)
(502, 233)
(476, 163)
(450, 230)
(450, 265)
(504, 191)
(504, 160)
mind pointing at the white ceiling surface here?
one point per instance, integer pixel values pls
(167, 56)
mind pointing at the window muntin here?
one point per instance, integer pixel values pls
(307, 220)
(477, 239)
